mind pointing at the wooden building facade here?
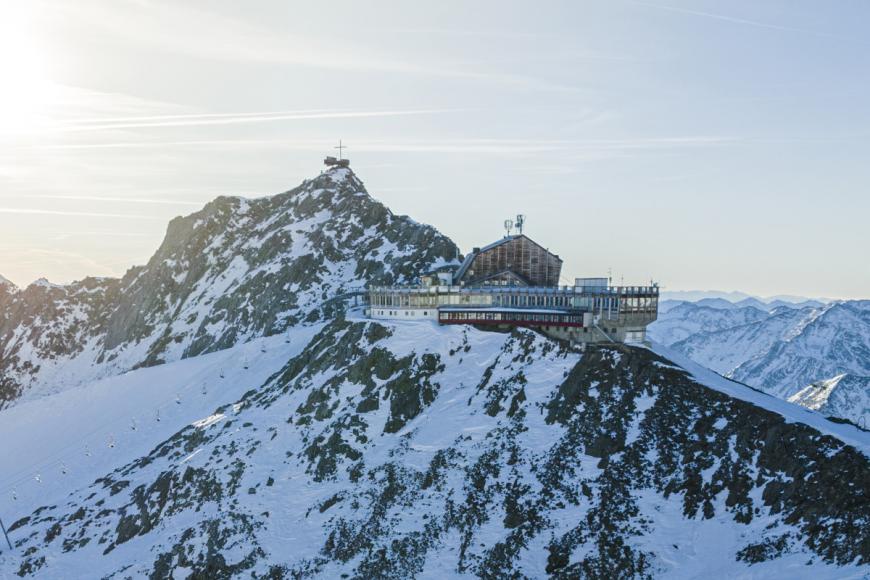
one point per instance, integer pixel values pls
(512, 261)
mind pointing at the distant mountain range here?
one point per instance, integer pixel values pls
(780, 347)
(734, 296)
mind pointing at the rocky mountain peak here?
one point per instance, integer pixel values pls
(235, 270)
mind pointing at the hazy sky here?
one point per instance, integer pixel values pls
(705, 144)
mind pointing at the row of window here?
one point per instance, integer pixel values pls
(396, 313)
(471, 317)
(591, 303)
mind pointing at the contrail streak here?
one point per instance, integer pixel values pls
(99, 120)
(30, 211)
(736, 20)
(242, 119)
(117, 199)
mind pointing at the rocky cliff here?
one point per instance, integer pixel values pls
(235, 270)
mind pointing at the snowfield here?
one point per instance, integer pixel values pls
(64, 438)
(267, 467)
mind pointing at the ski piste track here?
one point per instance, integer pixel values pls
(106, 435)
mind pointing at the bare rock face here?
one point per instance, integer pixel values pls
(235, 270)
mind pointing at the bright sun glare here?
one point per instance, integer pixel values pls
(24, 86)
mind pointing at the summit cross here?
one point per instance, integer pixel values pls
(340, 148)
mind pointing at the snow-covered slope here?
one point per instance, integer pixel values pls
(833, 341)
(217, 413)
(725, 348)
(780, 352)
(845, 396)
(686, 319)
(412, 450)
(236, 270)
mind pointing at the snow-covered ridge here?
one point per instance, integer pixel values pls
(413, 450)
(780, 352)
(791, 411)
(233, 271)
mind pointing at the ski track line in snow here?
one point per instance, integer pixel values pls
(49, 442)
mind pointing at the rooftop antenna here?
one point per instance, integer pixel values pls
(520, 222)
(340, 149)
(508, 226)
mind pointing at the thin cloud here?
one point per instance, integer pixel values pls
(245, 118)
(164, 27)
(735, 20)
(31, 211)
(89, 233)
(434, 146)
(134, 119)
(116, 199)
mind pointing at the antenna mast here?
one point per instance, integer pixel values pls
(520, 222)
(508, 226)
